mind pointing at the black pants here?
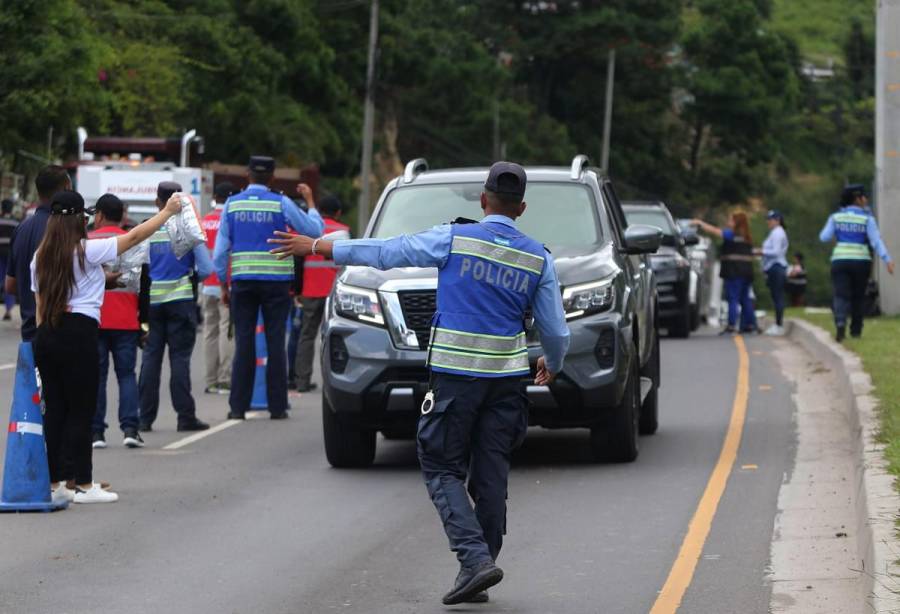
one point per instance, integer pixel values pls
(313, 309)
(248, 298)
(471, 432)
(849, 279)
(66, 357)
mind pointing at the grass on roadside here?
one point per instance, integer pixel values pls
(879, 349)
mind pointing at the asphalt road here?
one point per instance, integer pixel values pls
(252, 519)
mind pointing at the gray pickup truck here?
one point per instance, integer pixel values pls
(377, 323)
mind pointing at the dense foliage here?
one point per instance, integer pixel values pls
(712, 109)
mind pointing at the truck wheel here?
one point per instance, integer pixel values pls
(346, 446)
(681, 325)
(615, 440)
(649, 420)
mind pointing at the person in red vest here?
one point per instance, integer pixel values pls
(122, 317)
(219, 349)
(319, 274)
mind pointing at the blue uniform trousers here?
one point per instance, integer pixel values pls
(247, 299)
(471, 432)
(123, 345)
(737, 290)
(849, 279)
(173, 324)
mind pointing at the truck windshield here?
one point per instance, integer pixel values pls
(562, 215)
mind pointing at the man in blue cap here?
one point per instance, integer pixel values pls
(855, 232)
(254, 280)
(475, 414)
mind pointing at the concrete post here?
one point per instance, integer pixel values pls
(887, 144)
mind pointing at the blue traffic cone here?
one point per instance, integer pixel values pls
(26, 477)
(259, 400)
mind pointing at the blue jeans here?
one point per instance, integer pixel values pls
(248, 298)
(173, 324)
(776, 277)
(737, 289)
(123, 345)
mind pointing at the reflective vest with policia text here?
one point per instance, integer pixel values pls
(851, 231)
(484, 290)
(170, 277)
(253, 217)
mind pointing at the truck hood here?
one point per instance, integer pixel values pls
(574, 265)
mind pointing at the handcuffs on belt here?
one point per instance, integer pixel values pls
(428, 403)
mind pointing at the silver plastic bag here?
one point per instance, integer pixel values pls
(129, 263)
(185, 231)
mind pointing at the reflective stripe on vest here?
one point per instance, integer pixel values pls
(851, 251)
(498, 253)
(166, 291)
(474, 342)
(456, 349)
(244, 264)
(269, 206)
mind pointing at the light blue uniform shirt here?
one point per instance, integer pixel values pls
(309, 224)
(202, 262)
(872, 233)
(431, 248)
(775, 248)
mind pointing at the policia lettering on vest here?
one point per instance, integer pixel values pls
(489, 274)
(253, 281)
(855, 234)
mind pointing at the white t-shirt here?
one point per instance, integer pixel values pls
(90, 284)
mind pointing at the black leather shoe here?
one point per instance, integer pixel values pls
(306, 386)
(473, 580)
(145, 427)
(233, 415)
(481, 597)
(196, 425)
(281, 415)
(841, 333)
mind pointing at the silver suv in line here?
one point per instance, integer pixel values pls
(377, 323)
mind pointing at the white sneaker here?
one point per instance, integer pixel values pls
(61, 494)
(94, 494)
(775, 331)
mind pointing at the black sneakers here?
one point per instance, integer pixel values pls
(306, 386)
(195, 425)
(132, 439)
(98, 441)
(471, 581)
(233, 415)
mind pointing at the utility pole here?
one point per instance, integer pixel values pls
(496, 129)
(887, 144)
(368, 124)
(607, 115)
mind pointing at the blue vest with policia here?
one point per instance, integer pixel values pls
(851, 232)
(253, 217)
(170, 277)
(484, 289)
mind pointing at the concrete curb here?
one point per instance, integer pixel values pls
(876, 501)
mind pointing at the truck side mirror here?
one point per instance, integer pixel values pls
(642, 239)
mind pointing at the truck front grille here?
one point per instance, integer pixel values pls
(418, 310)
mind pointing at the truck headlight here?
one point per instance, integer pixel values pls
(585, 299)
(357, 304)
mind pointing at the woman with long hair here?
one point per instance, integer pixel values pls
(68, 281)
(736, 269)
(774, 264)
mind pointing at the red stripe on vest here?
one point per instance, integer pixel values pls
(120, 309)
(318, 280)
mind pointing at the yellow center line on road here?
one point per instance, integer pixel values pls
(669, 599)
(202, 434)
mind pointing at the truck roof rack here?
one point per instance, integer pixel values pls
(578, 163)
(413, 168)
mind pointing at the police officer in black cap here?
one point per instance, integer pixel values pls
(259, 281)
(490, 274)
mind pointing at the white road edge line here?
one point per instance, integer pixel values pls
(198, 436)
(9, 365)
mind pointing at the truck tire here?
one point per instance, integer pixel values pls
(649, 420)
(681, 324)
(615, 440)
(345, 445)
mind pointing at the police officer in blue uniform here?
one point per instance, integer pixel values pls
(476, 411)
(173, 323)
(855, 232)
(259, 281)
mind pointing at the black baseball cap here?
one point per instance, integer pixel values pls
(261, 164)
(851, 192)
(507, 178)
(68, 202)
(774, 214)
(111, 206)
(165, 189)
